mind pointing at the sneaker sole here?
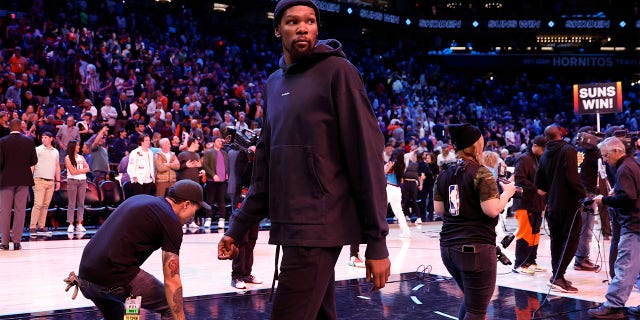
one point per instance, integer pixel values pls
(581, 268)
(559, 288)
(525, 273)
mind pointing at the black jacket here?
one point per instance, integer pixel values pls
(626, 196)
(558, 176)
(17, 156)
(525, 173)
(318, 169)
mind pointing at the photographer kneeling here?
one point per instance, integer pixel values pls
(466, 196)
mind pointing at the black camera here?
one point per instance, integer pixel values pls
(502, 257)
(506, 241)
(504, 176)
(240, 139)
(628, 138)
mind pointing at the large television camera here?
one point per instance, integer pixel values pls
(590, 139)
(240, 139)
(627, 137)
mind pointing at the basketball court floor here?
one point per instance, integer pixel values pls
(419, 287)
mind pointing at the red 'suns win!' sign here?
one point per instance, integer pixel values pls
(597, 98)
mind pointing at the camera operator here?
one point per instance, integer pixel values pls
(466, 196)
(558, 178)
(626, 199)
(529, 213)
(589, 177)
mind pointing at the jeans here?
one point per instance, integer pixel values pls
(475, 274)
(586, 234)
(76, 191)
(110, 301)
(42, 194)
(627, 270)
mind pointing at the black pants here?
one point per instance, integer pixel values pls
(145, 188)
(410, 198)
(423, 196)
(215, 194)
(241, 265)
(564, 229)
(310, 273)
(615, 239)
(475, 274)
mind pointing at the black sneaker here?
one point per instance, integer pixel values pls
(562, 285)
(586, 265)
(634, 311)
(603, 312)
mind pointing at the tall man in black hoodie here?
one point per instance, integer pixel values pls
(557, 178)
(316, 174)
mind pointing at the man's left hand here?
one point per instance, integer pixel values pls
(378, 271)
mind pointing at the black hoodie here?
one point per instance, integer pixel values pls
(558, 176)
(318, 169)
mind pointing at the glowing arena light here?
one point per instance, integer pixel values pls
(220, 7)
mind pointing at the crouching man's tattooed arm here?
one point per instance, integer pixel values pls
(173, 283)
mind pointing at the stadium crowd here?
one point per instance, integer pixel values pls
(97, 64)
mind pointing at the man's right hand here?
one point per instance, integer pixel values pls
(227, 248)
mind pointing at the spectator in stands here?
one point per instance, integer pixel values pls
(17, 159)
(119, 147)
(14, 93)
(77, 168)
(99, 154)
(140, 167)
(46, 178)
(446, 156)
(86, 127)
(166, 164)
(109, 115)
(66, 133)
(216, 167)
(87, 106)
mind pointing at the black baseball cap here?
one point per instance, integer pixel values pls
(188, 190)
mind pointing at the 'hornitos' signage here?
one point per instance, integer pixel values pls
(595, 98)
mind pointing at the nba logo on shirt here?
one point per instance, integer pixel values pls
(454, 200)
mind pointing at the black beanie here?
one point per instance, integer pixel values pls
(463, 135)
(283, 5)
